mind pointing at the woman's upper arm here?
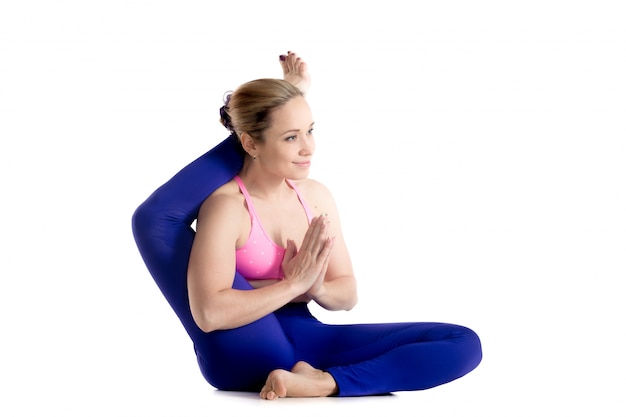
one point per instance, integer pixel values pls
(212, 259)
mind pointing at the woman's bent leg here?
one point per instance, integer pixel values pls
(240, 359)
(438, 353)
(367, 359)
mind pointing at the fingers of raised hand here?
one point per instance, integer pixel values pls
(317, 236)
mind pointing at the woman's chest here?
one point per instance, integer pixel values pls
(282, 222)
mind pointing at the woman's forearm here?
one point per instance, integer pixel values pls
(231, 308)
(337, 294)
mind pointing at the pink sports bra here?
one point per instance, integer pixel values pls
(260, 257)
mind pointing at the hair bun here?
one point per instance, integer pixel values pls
(224, 116)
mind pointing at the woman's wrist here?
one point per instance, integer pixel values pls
(295, 287)
(318, 293)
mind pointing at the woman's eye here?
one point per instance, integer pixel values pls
(310, 132)
(290, 138)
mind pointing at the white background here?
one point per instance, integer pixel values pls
(476, 150)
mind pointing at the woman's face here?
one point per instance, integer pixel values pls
(288, 144)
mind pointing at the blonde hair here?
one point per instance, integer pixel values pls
(248, 109)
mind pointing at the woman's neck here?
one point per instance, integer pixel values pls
(261, 184)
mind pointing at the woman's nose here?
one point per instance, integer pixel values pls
(308, 146)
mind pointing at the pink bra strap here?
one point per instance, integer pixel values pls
(244, 191)
(309, 215)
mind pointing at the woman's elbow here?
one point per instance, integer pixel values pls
(352, 302)
(205, 320)
(353, 299)
(202, 323)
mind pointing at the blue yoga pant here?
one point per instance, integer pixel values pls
(364, 359)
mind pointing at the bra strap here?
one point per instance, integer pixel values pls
(244, 191)
(304, 205)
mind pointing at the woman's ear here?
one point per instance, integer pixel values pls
(249, 145)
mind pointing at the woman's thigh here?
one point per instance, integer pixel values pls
(240, 359)
(326, 345)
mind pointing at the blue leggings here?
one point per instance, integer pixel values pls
(364, 359)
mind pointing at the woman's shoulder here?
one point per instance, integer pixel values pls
(311, 184)
(317, 195)
(226, 198)
(312, 187)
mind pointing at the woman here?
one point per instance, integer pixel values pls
(281, 231)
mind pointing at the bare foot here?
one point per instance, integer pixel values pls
(295, 71)
(302, 381)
